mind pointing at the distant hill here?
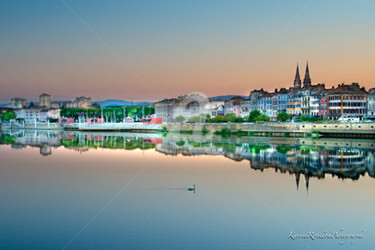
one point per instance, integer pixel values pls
(225, 97)
(7, 105)
(120, 103)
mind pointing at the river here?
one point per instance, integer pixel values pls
(70, 190)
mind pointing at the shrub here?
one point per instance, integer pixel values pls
(223, 131)
(205, 130)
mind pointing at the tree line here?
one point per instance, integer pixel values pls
(110, 114)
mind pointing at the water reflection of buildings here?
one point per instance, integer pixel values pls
(343, 163)
(44, 140)
(300, 157)
(309, 161)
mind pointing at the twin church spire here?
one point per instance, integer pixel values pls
(306, 80)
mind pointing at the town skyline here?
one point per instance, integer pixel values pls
(69, 48)
(303, 75)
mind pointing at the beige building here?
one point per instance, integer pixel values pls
(17, 103)
(45, 100)
(79, 102)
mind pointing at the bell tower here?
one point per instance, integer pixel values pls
(307, 80)
(297, 79)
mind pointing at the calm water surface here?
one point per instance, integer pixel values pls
(129, 191)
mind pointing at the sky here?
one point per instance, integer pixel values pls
(149, 50)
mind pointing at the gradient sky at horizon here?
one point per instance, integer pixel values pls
(149, 50)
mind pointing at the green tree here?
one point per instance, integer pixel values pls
(180, 118)
(253, 114)
(231, 117)
(217, 119)
(8, 115)
(96, 105)
(262, 118)
(282, 116)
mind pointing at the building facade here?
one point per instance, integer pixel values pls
(347, 100)
(17, 103)
(371, 103)
(45, 100)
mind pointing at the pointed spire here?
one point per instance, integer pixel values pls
(297, 79)
(307, 80)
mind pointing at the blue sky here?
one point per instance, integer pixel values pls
(147, 50)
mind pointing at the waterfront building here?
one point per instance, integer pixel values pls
(53, 113)
(314, 105)
(294, 103)
(164, 109)
(218, 111)
(33, 114)
(282, 100)
(20, 113)
(190, 105)
(275, 101)
(371, 103)
(233, 105)
(45, 100)
(265, 104)
(254, 97)
(17, 103)
(347, 100)
(246, 107)
(43, 115)
(187, 106)
(323, 106)
(305, 101)
(215, 107)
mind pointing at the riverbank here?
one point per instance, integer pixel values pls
(327, 129)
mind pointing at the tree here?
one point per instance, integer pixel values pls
(96, 105)
(253, 115)
(31, 104)
(262, 118)
(217, 119)
(8, 115)
(231, 117)
(282, 116)
(180, 118)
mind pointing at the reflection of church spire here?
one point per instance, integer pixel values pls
(297, 179)
(307, 179)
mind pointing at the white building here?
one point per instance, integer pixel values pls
(53, 113)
